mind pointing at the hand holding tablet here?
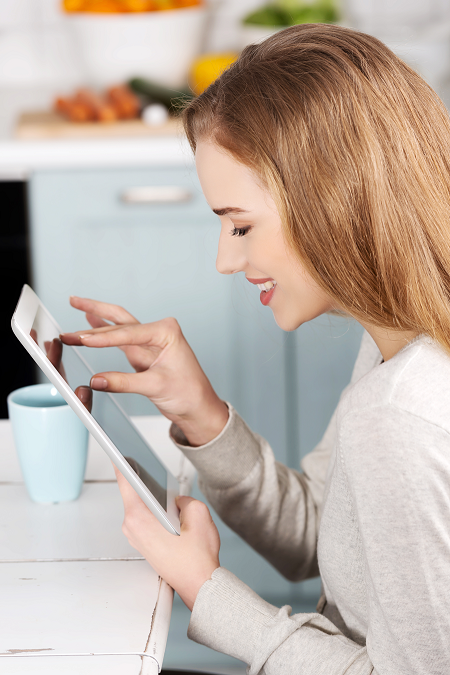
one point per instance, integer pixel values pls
(148, 489)
(184, 562)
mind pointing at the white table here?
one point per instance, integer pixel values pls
(75, 596)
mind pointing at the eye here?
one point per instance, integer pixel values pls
(239, 231)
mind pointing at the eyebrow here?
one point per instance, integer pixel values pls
(227, 210)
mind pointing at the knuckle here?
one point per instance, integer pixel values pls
(133, 335)
(122, 384)
(127, 331)
(172, 324)
(198, 508)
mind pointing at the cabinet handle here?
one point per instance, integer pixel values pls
(156, 194)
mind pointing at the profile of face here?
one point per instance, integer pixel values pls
(252, 241)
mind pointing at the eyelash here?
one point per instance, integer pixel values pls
(239, 231)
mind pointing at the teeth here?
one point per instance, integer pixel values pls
(267, 286)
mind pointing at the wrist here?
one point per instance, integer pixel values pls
(204, 426)
(189, 595)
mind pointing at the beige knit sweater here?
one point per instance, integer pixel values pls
(370, 512)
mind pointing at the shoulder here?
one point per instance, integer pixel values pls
(396, 419)
(416, 382)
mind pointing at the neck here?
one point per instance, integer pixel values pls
(389, 342)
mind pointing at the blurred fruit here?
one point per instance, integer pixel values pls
(126, 6)
(207, 68)
(73, 5)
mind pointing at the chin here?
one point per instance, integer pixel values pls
(288, 324)
(291, 323)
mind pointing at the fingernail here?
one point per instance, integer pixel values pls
(84, 393)
(84, 338)
(99, 383)
(71, 339)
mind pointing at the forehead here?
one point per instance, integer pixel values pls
(225, 181)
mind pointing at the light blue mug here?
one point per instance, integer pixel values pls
(51, 443)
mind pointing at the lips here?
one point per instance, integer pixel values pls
(259, 281)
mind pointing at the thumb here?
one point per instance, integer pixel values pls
(128, 493)
(194, 514)
(182, 502)
(84, 393)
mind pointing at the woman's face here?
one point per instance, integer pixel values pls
(251, 239)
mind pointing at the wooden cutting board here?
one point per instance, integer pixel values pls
(41, 125)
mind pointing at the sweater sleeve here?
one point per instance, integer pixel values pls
(229, 617)
(276, 510)
(273, 508)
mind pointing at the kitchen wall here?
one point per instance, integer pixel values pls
(36, 47)
(417, 30)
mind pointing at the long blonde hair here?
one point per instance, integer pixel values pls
(355, 149)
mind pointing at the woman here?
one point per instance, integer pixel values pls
(327, 160)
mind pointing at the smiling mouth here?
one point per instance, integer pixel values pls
(267, 288)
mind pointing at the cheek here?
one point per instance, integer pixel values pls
(264, 256)
(297, 303)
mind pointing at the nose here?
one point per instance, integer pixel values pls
(230, 255)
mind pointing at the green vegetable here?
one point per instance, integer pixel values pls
(271, 15)
(291, 12)
(173, 99)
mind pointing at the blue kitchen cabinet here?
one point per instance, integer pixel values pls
(157, 259)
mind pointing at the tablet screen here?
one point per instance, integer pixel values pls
(105, 410)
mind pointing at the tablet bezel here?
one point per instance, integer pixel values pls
(21, 323)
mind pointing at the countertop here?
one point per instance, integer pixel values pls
(19, 158)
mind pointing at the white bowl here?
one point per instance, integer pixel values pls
(158, 45)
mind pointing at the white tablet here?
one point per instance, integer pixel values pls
(108, 423)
